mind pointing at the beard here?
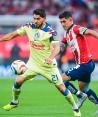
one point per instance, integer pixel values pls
(38, 25)
(65, 28)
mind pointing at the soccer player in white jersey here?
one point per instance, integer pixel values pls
(74, 37)
(43, 49)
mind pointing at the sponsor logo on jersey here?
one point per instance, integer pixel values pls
(37, 46)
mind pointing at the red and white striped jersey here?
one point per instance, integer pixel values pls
(77, 42)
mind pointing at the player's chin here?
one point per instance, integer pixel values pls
(37, 25)
(65, 28)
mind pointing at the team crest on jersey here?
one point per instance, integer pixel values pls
(36, 36)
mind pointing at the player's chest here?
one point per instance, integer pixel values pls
(71, 38)
(37, 35)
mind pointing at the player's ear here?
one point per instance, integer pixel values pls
(44, 19)
(71, 19)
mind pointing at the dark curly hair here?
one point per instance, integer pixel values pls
(40, 12)
(65, 14)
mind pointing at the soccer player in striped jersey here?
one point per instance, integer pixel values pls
(43, 49)
(75, 39)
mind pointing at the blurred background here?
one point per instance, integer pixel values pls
(15, 13)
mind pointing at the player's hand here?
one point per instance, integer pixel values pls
(48, 61)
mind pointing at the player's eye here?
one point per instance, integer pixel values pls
(63, 22)
(36, 18)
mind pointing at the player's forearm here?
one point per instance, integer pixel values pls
(6, 37)
(55, 48)
(9, 36)
(92, 32)
(54, 52)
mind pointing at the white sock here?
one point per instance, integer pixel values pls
(78, 93)
(15, 101)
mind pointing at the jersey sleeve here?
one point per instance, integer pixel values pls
(64, 39)
(82, 30)
(79, 30)
(53, 37)
(22, 30)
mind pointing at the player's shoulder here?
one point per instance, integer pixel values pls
(30, 25)
(49, 28)
(76, 28)
(79, 29)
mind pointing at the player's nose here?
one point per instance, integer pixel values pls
(62, 24)
(35, 21)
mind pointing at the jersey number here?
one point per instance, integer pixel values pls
(54, 78)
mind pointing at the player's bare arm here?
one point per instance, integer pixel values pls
(55, 49)
(9, 36)
(91, 32)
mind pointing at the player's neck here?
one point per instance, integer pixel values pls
(42, 26)
(70, 27)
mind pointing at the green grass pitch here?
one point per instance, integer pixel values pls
(41, 99)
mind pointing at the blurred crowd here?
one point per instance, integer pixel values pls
(85, 12)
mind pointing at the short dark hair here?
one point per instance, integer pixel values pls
(40, 12)
(65, 14)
